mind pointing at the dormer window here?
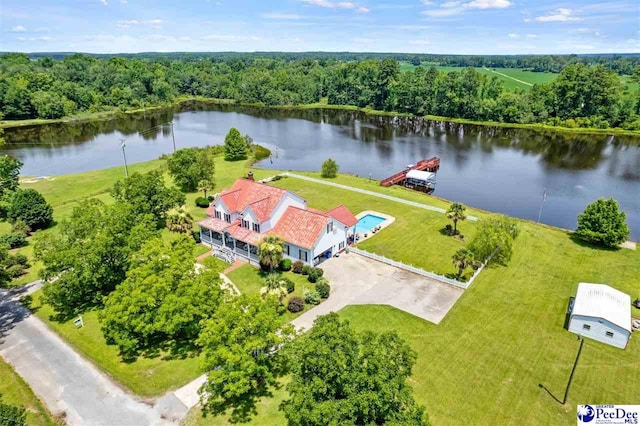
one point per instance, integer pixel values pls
(217, 214)
(256, 227)
(329, 227)
(245, 224)
(227, 217)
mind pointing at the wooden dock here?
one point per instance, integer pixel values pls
(429, 165)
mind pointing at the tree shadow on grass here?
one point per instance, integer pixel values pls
(242, 410)
(582, 243)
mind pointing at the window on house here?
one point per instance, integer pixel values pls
(217, 214)
(302, 255)
(286, 247)
(341, 245)
(227, 217)
(245, 223)
(256, 227)
(609, 334)
(329, 227)
(586, 327)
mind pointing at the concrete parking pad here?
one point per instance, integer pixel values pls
(357, 280)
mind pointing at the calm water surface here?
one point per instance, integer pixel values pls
(503, 170)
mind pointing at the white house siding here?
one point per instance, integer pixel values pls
(331, 240)
(289, 199)
(598, 330)
(294, 253)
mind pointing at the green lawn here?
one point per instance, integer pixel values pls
(414, 238)
(483, 363)
(16, 391)
(248, 279)
(144, 377)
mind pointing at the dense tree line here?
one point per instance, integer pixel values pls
(582, 95)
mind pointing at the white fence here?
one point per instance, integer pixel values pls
(411, 268)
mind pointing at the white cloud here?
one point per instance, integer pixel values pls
(513, 35)
(18, 29)
(124, 1)
(532, 36)
(488, 4)
(362, 9)
(427, 2)
(331, 4)
(559, 15)
(419, 42)
(42, 38)
(104, 2)
(454, 7)
(364, 40)
(230, 38)
(125, 23)
(281, 16)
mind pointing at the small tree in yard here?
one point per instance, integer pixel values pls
(12, 415)
(205, 186)
(179, 220)
(270, 252)
(456, 212)
(30, 206)
(235, 146)
(274, 285)
(329, 168)
(240, 354)
(463, 259)
(189, 166)
(9, 172)
(603, 223)
(493, 241)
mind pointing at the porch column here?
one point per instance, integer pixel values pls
(249, 252)
(211, 236)
(224, 242)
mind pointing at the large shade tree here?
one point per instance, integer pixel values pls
(90, 255)
(235, 146)
(29, 206)
(162, 301)
(341, 377)
(9, 171)
(189, 166)
(241, 354)
(603, 223)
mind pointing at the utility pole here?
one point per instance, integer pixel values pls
(573, 370)
(173, 137)
(124, 155)
(544, 197)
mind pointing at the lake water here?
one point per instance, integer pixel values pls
(502, 170)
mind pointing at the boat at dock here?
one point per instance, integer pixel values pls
(420, 176)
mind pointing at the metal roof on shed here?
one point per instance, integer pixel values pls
(602, 301)
(420, 175)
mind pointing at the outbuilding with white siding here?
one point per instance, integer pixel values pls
(601, 313)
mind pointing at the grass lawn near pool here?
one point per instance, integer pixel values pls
(414, 238)
(16, 391)
(249, 279)
(145, 377)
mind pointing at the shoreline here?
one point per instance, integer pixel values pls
(115, 114)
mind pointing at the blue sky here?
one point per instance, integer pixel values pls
(438, 26)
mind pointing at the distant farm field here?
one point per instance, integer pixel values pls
(512, 78)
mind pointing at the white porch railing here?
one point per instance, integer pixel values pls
(415, 270)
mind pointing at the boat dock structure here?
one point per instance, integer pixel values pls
(420, 176)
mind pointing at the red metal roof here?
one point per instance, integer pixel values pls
(234, 229)
(343, 215)
(214, 224)
(301, 227)
(262, 198)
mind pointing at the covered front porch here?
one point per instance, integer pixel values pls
(229, 240)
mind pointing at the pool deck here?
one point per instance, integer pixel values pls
(388, 220)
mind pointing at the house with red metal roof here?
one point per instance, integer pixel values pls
(240, 217)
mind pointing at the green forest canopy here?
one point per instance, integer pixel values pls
(588, 91)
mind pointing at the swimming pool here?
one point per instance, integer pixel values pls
(367, 222)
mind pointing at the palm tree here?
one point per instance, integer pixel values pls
(205, 186)
(463, 259)
(456, 212)
(179, 220)
(274, 285)
(270, 251)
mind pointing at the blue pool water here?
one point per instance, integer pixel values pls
(367, 223)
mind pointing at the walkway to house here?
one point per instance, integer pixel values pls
(373, 194)
(356, 280)
(235, 265)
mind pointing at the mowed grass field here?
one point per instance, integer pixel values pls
(516, 78)
(15, 391)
